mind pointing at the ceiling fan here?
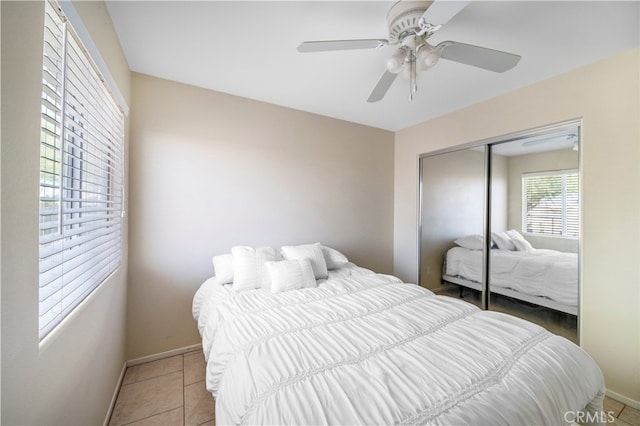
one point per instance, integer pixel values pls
(410, 25)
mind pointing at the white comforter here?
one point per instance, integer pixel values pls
(364, 348)
(546, 273)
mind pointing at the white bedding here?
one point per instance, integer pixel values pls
(364, 348)
(546, 273)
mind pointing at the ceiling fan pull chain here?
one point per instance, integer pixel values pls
(413, 85)
(414, 73)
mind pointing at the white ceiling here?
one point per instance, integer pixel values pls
(249, 49)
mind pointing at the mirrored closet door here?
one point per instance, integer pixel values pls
(533, 269)
(500, 224)
(453, 209)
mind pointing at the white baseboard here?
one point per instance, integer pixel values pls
(162, 355)
(621, 398)
(142, 360)
(115, 395)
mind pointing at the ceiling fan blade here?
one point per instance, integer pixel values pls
(328, 45)
(481, 57)
(440, 12)
(382, 87)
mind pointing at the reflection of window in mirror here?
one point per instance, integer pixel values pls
(551, 203)
(544, 163)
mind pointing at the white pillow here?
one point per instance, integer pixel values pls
(523, 245)
(249, 271)
(223, 268)
(290, 275)
(514, 234)
(471, 242)
(334, 258)
(518, 241)
(503, 241)
(312, 252)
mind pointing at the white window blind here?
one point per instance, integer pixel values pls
(81, 175)
(551, 203)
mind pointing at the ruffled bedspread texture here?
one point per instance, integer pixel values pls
(364, 348)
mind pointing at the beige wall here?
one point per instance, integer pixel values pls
(539, 162)
(210, 171)
(72, 377)
(499, 192)
(606, 96)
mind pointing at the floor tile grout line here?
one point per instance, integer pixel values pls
(631, 409)
(154, 377)
(184, 399)
(152, 415)
(622, 409)
(197, 383)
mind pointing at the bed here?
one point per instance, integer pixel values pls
(543, 277)
(366, 348)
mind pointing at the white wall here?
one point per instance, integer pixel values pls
(72, 377)
(210, 171)
(605, 95)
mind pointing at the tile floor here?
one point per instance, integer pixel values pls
(624, 415)
(169, 391)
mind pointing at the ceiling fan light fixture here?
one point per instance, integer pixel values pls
(395, 62)
(427, 56)
(411, 23)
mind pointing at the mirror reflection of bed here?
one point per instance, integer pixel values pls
(540, 285)
(534, 226)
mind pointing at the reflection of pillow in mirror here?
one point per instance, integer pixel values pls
(291, 275)
(514, 235)
(522, 245)
(503, 241)
(471, 242)
(518, 241)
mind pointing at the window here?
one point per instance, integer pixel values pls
(81, 175)
(551, 203)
